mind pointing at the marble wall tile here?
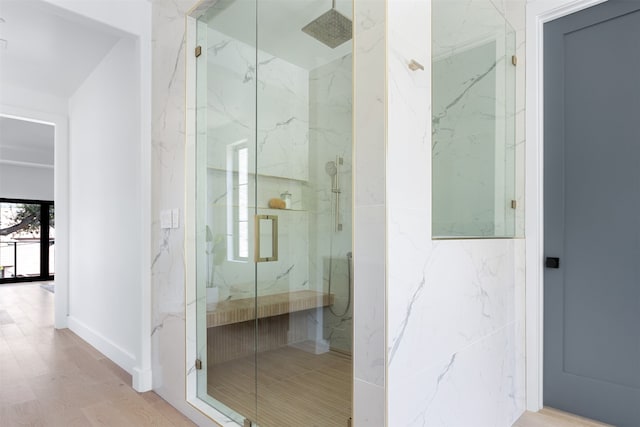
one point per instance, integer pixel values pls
(372, 410)
(519, 316)
(464, 144)
(282, 100)
(369, 212)
(474, 386)
(408, 193)
(476, 356)
(468, 294)
(462, 23)
(370, 99)
(330, 136)
(168, 191)
(369, 295)
(454, 349)
(473, 131)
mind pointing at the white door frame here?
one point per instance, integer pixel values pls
(61, 200)
(539, 12)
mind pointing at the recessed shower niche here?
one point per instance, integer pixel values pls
(473, 121)
(269, 239)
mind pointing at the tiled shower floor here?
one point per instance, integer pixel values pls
(295, 388)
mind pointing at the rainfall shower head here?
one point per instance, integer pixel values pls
(331, 168)
(331, 28)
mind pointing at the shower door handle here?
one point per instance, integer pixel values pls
(274, 238)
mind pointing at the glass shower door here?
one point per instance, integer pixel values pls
(226, 209)
(303, 169)
(274, 191)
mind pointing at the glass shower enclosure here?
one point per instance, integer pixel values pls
(475, 188)
(273, 211)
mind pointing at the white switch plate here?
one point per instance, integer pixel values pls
(165, 219)
(175, 218)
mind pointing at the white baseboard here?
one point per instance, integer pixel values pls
(142, 380)
(61, 322)
(117, 354)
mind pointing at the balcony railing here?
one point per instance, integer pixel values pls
(23, 258)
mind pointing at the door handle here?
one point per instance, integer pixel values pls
(274, 238)
(552, 262)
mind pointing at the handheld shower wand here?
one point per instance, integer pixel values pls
(332, 169)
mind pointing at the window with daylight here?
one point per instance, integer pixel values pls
(27, 240)
(238, 201)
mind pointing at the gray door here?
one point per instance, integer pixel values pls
(592, 213)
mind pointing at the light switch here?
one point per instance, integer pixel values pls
(165, 219)
(175, 218)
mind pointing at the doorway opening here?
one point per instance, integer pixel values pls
(27, 176)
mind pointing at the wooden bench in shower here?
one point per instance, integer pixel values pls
(281, 320)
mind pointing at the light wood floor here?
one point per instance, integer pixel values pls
(295, 388)
(53, 378)
(549, 417)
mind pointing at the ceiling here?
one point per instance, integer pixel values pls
(46, 50)
(279, 28)
(26, 141)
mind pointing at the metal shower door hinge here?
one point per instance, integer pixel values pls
(198, 51)
(514, 204)
(198, 364)
(415, 65)
(514, 60)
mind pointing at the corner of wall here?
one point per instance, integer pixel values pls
(142, 379)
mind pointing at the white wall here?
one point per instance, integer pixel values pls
(26, 182)
(30, 100)
(21, 181)
(105, 199)
(131, 17)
